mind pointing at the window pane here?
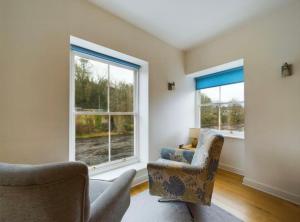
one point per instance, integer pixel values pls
(210, 116)
(122, 137)
(121, 89)
(91, 82)
(232, 117)
(232, 92)
(209, 95)
(92, 139)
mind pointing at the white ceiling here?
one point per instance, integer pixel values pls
(186, 23)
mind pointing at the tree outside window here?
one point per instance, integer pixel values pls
(104, 111)
(222, 107)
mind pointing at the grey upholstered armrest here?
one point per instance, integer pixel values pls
(175, 154)
(107, 206)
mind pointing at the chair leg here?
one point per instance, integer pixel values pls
(167, 200)
(190, 211)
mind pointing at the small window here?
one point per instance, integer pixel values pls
(222, 107)
(105, 110)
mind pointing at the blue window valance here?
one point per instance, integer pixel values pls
(103, 56)
(230, 76)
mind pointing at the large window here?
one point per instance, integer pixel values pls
(105, 110)
(222, 107)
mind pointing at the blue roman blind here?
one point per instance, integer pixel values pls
(226, 77)
(104, 57)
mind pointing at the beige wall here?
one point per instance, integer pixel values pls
(272, 103)
(34, 77)
(233, 155)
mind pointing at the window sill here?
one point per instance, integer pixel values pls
(115, 173)
(233, 135)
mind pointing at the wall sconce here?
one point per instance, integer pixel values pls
(286, 70)
(171, 86)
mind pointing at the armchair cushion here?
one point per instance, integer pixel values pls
(203, 136)
(179, 155)
(202, 152)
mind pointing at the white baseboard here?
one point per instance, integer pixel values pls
(140, 179)
(143, 177)
(272, 190)
(231, 169)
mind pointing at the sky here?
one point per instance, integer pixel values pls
(117, 74)
(228, 92)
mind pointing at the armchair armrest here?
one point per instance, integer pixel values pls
(179, 181)
(172, 168)
(112, 204)
(175, 154)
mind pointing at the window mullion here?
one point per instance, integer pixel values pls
(98, 127)
(109, 115)
(104, 113)
(219, 110)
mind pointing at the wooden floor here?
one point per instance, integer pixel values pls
(244, 202)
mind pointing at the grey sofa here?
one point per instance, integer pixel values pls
(60, 192)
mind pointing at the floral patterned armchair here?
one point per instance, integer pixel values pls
(187, 175)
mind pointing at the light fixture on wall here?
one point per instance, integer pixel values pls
(286, 70)
(171, 86)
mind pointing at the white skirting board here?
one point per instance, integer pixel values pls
(231, 169)
(261, 186)
(140, 178)
(272, 190)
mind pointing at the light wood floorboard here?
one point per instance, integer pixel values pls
(244, 202)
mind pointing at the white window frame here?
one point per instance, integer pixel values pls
(226, 133)
(208, 71)
(140, 109)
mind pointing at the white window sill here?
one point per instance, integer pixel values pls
(109, 166)
(115, 173)
(233, 135)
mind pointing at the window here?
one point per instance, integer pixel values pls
(220, 101)
(105, 109)
(222, 107)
